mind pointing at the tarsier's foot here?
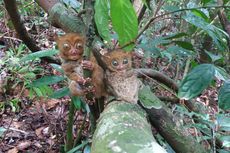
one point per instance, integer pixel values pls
(88, 65)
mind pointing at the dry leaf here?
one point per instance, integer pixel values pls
(14, 150)
(24, 145)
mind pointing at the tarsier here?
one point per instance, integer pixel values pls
(121, 79)
(71, 47)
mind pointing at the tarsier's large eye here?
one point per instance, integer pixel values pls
(79, 45)
(125, 61)
(114, 63)
(66, 46)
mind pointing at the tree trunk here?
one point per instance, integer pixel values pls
(123, 127)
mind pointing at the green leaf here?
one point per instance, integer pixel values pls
(224, 96)
(184, 44)
(222, 151)
(1, 46)
(46, 90)
(176, 35)
(60, 93)
(24, 69)
(215, 33)
(223, 122)
(2, 130)
(201, 14)
(29, 75)
(196, 81)
(225, 141)
(213, 56)
(47, 80)
(38, 91)
(221, 74)
(124, 21)
(102, 18)
(78, 147)
(39, 54)
(205, 1)
(148, 99)
(77, 102)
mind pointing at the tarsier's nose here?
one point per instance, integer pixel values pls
(73, 51)
(120, 67)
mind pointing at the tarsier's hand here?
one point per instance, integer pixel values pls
(88, 65)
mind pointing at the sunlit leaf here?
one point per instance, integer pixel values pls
(196, 81)
(124, 21)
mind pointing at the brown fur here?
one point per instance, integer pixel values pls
(71, 47)
(121, 80)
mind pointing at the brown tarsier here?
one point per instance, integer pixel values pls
(71, 47)
(121, 80)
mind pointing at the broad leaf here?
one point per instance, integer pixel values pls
(225, 141)
(47, 80)
(102, 18)
(196, 81)
(60, 93)
(221, 74)
(224, 96)
(124, 21)
(148, 99)
(223, 122)
(40, 54)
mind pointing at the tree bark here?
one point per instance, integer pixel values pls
(123, 127)
(174, 134)
(12, 10)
